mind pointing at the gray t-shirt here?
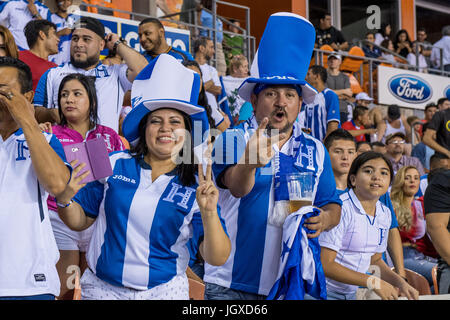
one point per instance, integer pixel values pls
(341, 81)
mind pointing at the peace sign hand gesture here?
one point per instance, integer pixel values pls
(207, 193)
(259, 151)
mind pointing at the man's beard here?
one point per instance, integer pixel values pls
(156, 46)
(284, 129)
(89, 62)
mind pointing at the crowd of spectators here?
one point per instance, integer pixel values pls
(55, 69)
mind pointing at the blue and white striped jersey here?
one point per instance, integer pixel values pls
(111, 83)
(142, 227)
(64, 41)
(316, 115)
(15, 15)
(255, 244)
(28, 251)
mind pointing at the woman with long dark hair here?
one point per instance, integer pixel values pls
(154, 202)
(77, 107)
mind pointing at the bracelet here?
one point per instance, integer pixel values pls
(61, 205)
(116, 44)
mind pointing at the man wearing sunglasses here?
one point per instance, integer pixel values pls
(395, 147)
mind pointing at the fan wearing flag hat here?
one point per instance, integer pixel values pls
(251, 160)
(154, 202)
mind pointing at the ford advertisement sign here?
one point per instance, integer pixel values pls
(410, 88)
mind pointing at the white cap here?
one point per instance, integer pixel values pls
(335, 55)
(363, 96)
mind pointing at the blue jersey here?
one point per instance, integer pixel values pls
(178, 54)
(256, 245)
(316, 115)
(63, 56)
(385, 200)
(142, 227)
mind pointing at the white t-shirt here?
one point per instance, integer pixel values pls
(356, 238)
(411, 57)
(28, 251)
(15, 15)
(208, 73)
(111, 83)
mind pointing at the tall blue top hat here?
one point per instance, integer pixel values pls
(283, 55)
(166, 83)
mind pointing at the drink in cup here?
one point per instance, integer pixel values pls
(300, 186)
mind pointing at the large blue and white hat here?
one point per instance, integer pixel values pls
(283, 55)
(166, 83)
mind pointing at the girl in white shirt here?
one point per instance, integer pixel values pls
(360, 238)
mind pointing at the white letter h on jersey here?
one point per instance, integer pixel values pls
(184, 196)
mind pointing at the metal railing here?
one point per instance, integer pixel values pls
(249, 48)
(372, 63)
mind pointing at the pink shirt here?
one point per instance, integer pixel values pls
(68, 136)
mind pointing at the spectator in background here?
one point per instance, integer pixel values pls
(426, 45)
(436, 161)
(327, 34)
(233, 44)
(16, 14)
(370, 50)
(437, 216)
(213, 115)
(411, 222)
(423, 152)
(362, 99)
(363, 146)
(43, 42)
(64, 23)
(383, 34)
(412, 58)
(206, 20)
(402, 43)
(153, 40)
(360, 121)
(33, 166)
(8, 47)
(340, 84)
(88, 39)
(416, 129)
(77, 107)
(238, 73)
(388, 44)
(430, 110)
(379, 147)
(321, 116)
(444, 44)
(395, 147)
(443, 104)
(203, 52)
(437, 135)
(396, 122)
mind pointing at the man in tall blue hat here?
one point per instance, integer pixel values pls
(251, 159)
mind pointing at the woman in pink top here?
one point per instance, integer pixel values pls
(77, 100)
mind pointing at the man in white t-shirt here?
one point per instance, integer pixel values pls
(88, 39)
(203, 52)
(32, 168)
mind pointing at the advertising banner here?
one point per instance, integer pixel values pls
(409, 88)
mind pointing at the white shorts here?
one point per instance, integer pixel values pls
(93, 288)
(67, 239)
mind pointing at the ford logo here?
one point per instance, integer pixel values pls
(409, 88)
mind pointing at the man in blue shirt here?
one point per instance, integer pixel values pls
(153, 41)
(251, 159)
(322, 116)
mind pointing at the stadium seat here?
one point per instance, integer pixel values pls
(196, 290)
(101, 3)
(353, 64)
(325, 47)
(419, 282)
(434, 276)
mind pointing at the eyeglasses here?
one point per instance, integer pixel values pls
(397, 142)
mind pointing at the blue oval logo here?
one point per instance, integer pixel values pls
(447, 92)
(409, 88)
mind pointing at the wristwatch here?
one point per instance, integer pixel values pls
(116, 44)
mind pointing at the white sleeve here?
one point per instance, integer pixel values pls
(215, 77)
(4, 15)
(217, 116)
(333, 238)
